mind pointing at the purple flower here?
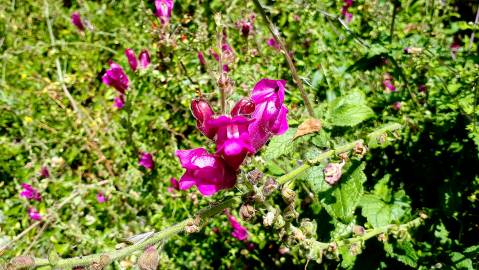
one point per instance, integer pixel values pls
(272, 43)
(239, 232)
(397, 106)
(34, 214)
(30, 193)
(130, 55)
(203, 112)
(201, 58)
(144, 59)
(44, 173)
(389, 85)
(270, 114)
(246, 26)
(119, 102)
(116, 78)
(232, 139)
(146, 160)
(175, 185)
(163, 10)
(207, 171)
(77, 22)
(100, 197)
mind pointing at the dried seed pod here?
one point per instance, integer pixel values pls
(247, 212)
(288, 195)
(254, 176)
(269, 187)
(149, 259)
(279, 222)
(332, 172)
(268, 218)
(290, 213)
(308, 227)
(360, 150)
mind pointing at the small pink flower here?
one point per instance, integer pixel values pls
(30, 193)
(389, 85)
(44, 173)
(146, 160)
(116, 78)
(397, 106)
(119, 102)
(77, 21)
(246, 26)
(34, 214)
(332, 172)
(144, 59)
(239, 232)
(272, 43)
(130, 55)
(201, 58)
(100, 197)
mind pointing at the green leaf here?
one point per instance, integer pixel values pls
(350, 115)
(402, 251)
(280, 145)
(460, 261)
(380, 213)
(342, 199)
(314, 176)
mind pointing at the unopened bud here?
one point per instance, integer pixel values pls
(360, 150)
(203, 112)
(308, 228)
(149, 259)
(358, 230)
(332, 172)
(22, 262)
(283, 250)
(225, 83)
(290, 213)
(243, 107)
(268, 218)
(288, 195)
(254, 176)
(247, 212)
(279, 222)
(344, 156)
(269, 187)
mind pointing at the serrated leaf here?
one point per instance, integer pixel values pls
(348, 259)
(314, 176)
(350, 115)
(280, 145)
(380, 213)
(460, 261)
(343, 198)
(402, 251)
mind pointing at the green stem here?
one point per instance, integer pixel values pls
(203, 215)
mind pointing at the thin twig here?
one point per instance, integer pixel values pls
(471, 40)
(393, 20)
(275, 32)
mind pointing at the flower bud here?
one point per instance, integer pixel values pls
(283, 250)
(358, 230)
(203, 112)
(269, 187)
(254, 176)
(243, 107)
(149, 259)
(360, 150)
(288, 195)
(290, 213)
(268, 218)
(22, 262)
(308, 228)
(247, 212)
(332, 172)
(279, 222)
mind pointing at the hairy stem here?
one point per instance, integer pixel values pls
(203, 215)
(274, 31)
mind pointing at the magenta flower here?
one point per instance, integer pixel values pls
(397, 106)
(175, 185)
(77, 22)
(422, 88)
(30, 193)
(272, 43)
(163, 10)
(389, 85)
(270, 114)
(44, 173)
(244, 107)
(100, 197)
(208, 172)
(201, 58)
(146, 160)
(130, 55)
(116, 78)
(119, 102)
(203, 112)
(246, 26)
(344, 11)
(34, 214)
(144, 59)
(239, 232)
(232, 139)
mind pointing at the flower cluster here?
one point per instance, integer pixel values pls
(143, 58)
(251, 123)
(348, 16)
(30, 193)
(239, 231)
(117, 78)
